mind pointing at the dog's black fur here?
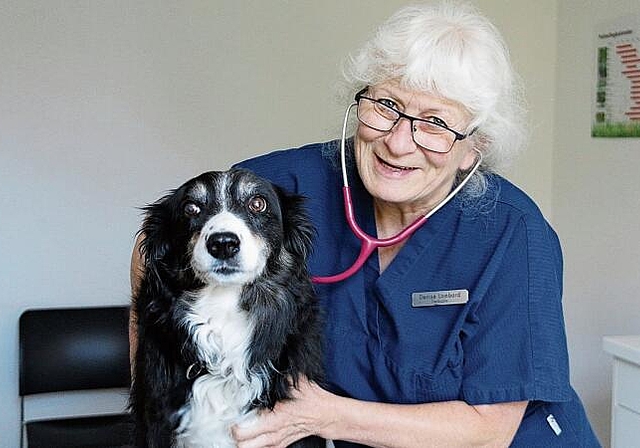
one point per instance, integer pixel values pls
(285, 343)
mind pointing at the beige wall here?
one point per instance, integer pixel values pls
(596, 198)
(105, 105)
(530, 30)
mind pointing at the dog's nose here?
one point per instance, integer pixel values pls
(223, 245)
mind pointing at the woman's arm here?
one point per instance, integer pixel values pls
(135, 276)
(315, 411)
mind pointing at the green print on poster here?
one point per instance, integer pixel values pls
(616, 106)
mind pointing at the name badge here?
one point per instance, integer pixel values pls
(437, 298)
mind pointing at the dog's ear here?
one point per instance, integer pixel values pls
(156, 238)
(298, 230)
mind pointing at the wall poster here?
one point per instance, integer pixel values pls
(616, 108)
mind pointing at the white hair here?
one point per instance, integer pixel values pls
(451, 50)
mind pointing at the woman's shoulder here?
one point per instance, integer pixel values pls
(285, 167)
(507, 197)
(514, 204)
(505, 205)
(296, 170)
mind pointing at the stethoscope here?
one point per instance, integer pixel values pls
(369, 243)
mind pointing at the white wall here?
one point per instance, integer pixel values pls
(104, 105)
(596, 208)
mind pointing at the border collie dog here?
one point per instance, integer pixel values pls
(227, 317)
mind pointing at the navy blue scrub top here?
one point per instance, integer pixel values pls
(507, 343)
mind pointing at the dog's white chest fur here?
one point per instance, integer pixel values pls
(222, 333)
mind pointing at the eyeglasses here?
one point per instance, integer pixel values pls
(426, 132)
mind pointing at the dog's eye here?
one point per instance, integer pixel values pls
(257, 204)
(191, 209)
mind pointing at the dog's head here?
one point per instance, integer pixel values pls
(226, 227)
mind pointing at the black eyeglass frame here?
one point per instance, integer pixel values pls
(457, 135)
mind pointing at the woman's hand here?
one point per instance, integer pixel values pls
(304, 415)
(314, 411)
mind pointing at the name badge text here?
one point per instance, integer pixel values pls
(437, 298)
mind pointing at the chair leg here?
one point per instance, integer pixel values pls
(22, 427)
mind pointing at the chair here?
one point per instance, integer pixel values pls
(62, 352)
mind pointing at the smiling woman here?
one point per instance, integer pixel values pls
(483, 364)
(406, 178)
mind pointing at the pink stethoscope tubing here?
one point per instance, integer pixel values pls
(369, 243)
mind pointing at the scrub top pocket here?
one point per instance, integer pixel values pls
(406, 340)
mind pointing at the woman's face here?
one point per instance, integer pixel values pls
(394, 169)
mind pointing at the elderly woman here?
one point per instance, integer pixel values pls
(455, 336)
